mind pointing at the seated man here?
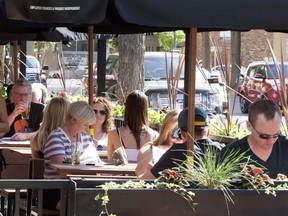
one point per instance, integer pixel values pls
(265, 145)
(23, 127)
(178, 151)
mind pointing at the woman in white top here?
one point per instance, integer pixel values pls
(104, 122)
(135, 131)
(150, 153)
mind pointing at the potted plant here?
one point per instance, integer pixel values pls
(199, 186)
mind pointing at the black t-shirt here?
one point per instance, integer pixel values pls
(178, 152)
(277, 161)
(35, 118)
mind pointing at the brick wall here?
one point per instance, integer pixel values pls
(254, 46)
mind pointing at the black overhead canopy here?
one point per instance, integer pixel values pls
(133, 16)
(140, 16)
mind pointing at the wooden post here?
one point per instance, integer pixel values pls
(191, 90)
(15, 59)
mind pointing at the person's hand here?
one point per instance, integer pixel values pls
(20, 136)
(19, 108)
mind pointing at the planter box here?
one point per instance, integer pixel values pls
(164, 202)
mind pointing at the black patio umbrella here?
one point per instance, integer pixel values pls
(136, 16)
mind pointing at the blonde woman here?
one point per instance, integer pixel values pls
(104, 122)
(152, 151)
(54, 116)
(69, 143)
(135, 131)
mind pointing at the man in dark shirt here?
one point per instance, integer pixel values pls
(23, 129)
(265, 146)
(178, 151)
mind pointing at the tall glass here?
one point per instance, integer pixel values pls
(25, 116)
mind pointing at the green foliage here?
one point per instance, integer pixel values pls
(70, 98)
(3, 91)
(155, 117)
(166, 39)
(219, 125)
(118, 110)
(114, 43)
(234, 170)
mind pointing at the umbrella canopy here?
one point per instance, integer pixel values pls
(135, 16)
(150, 15)
(58, 34)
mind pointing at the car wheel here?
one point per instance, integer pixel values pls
(243, 105)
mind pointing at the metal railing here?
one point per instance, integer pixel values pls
(67, 197)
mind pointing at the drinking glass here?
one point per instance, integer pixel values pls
(25, 116)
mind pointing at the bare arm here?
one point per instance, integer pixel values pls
(4, 126)
(18, 109)
(143, 159)
(147, 175)
(113, 143)
(23, 136)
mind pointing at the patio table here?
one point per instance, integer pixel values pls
(105, 168)
(8, 142)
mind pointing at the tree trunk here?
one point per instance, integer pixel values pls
(235, 58)
(2, 62)
(206, 50)
(131, 63)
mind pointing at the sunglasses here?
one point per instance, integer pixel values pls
(176, 134)
(101, 112)
(266, 136)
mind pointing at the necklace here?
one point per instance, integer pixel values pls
(99, 138)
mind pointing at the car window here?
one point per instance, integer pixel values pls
(252, 71)
(155, 66)
(274, 70)
(32, 63)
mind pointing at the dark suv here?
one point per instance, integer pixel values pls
(262, 80)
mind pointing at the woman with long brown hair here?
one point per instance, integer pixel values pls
(135, 131)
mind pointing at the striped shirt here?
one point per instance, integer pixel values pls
(59, 144)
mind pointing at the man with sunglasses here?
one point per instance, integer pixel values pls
(264, 146)
(178, 151)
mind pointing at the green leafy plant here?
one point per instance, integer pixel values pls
(210, 172)
(154, 117)
(220, 126)
(118, 110)
(70, 98)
